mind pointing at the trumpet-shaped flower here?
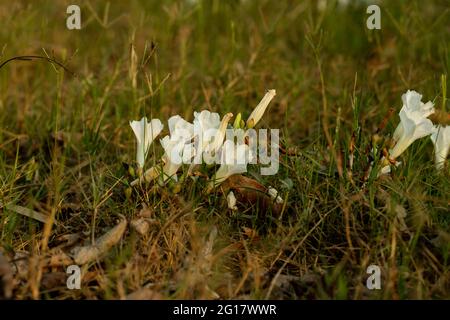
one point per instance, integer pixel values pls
(441, 141)
(209, 134)
(210, 130)
(178, 147)
(176, 152)
(258, 112)
(180, 129)
(413, 123)
(234, 159)
(412, 104)
(145, 133)
(217, 142)
(206, 120)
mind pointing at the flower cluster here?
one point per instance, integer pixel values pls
(414, 124)
(202, 141)
(207, 140)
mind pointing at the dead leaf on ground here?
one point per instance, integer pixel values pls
(20, 264)
(140, 225)
(86, 254)
(67, 240)
(26, 212)
(52, 280)
(6, 278)
(146, 212)
(58, 258)
(249, 191)
(144, 294)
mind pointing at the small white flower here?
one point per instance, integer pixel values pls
(258, 112)
(176, 153)
(172, 158)
(412, 104)
(145, 133)
(210, 130)
(234, 160)
(231, 200)
(273, 193)
(178, 148)
(206, 120)
(217, 142)
(180, 129)
(441, 141)
(413, 122)
(209, 134)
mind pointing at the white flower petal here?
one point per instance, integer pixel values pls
(173, 156)
(413, 122)
(220, 134)
(178, 147)
(234, 160)
(145, 133)
(412, 104)
(206, 119)
(180, 129)
(258, 112)
(231, 200)
(441, 141)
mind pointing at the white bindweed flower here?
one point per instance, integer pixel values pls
(231, 200)
(210, 130)
(441, 141)
(412, 104)
(258, 112)
(180, 129)
(145, 133)
(206, 120)
(217, 142)
(234, 159)
(209, 134)
(178, 148)
(273, 193)
(206, 124)
(413, 122)
(172, 158)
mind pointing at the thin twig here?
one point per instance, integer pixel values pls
(29, 58)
